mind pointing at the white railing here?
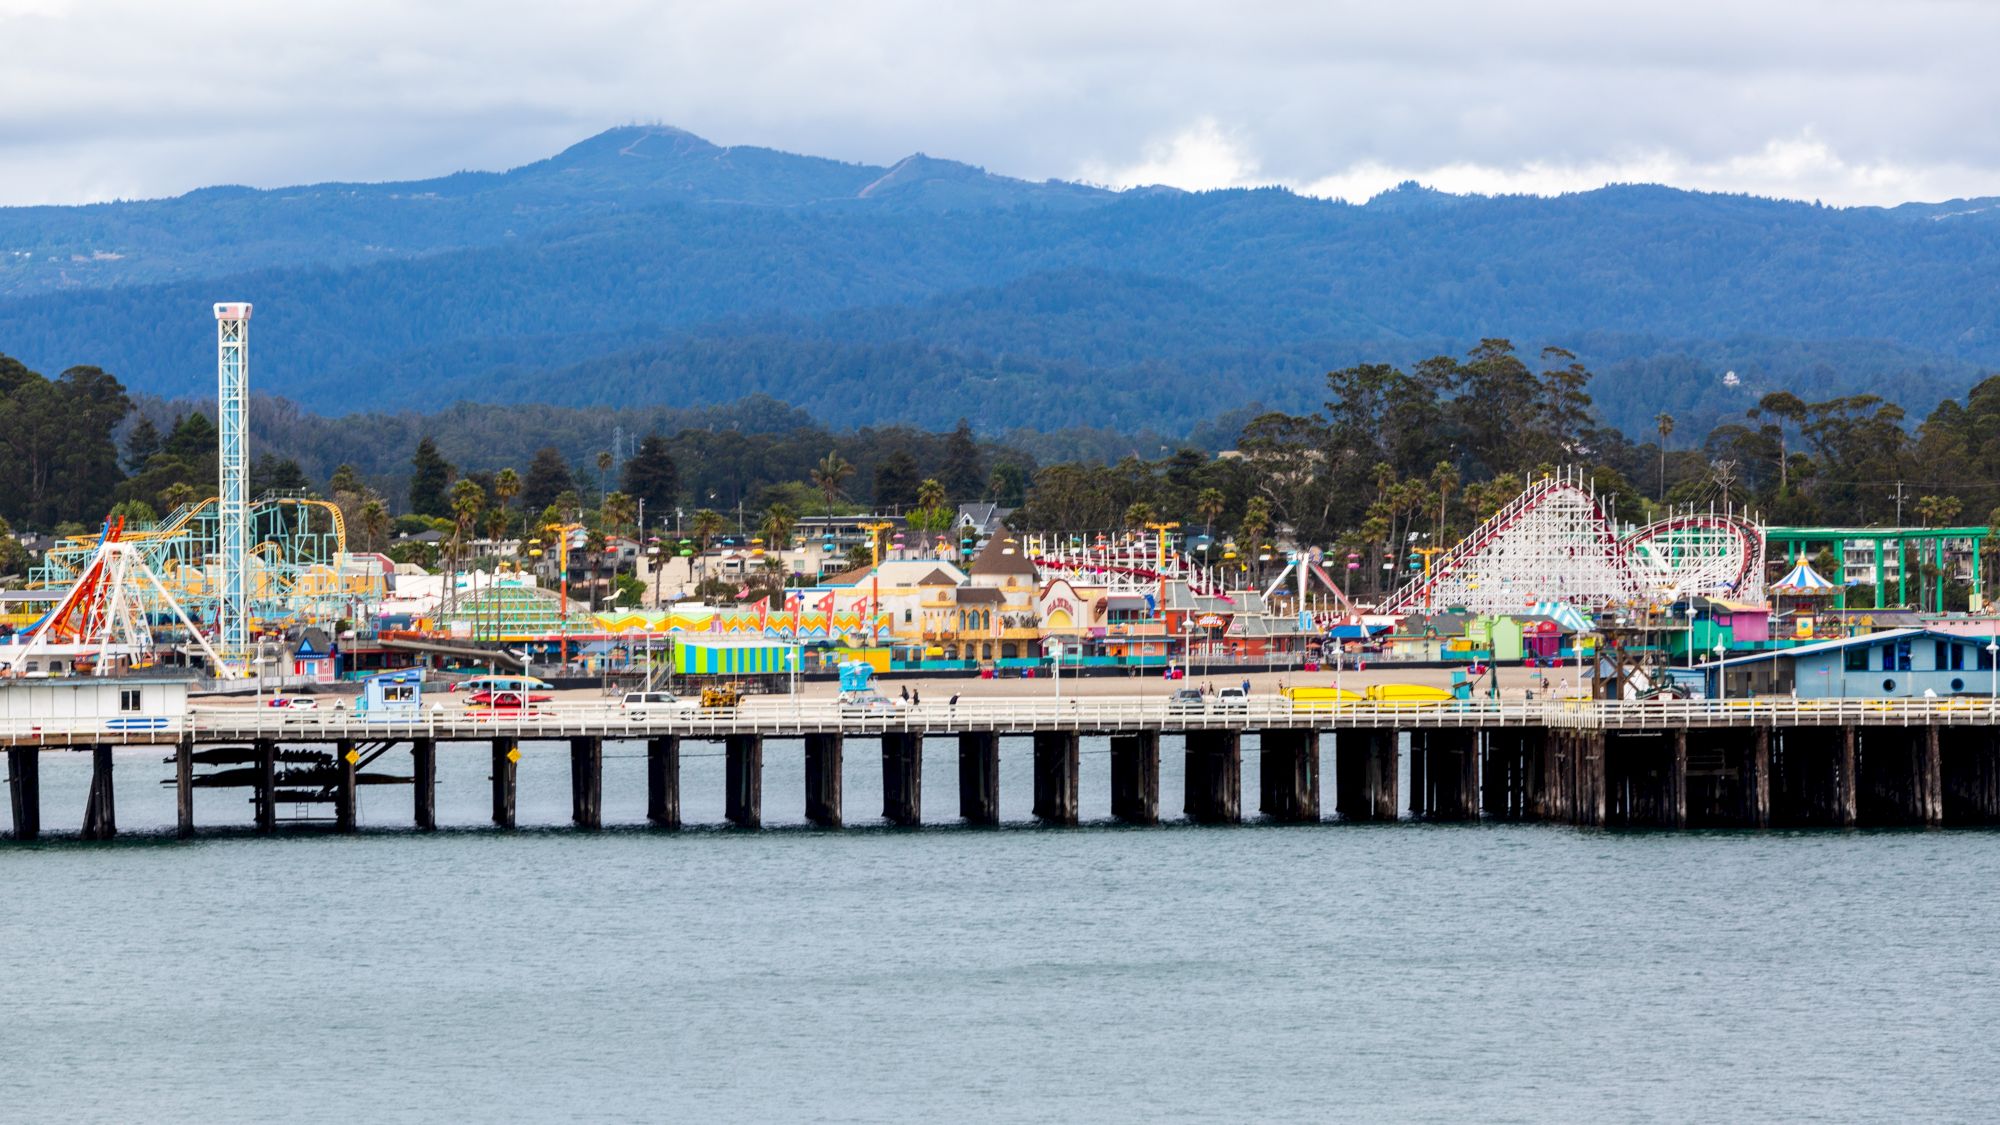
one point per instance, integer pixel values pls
(781, 716)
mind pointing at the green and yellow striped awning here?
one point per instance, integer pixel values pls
(733, 658)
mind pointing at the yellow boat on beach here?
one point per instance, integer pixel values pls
(1321, 698)
(1408, 695)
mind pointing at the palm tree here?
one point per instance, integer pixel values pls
(1138, 515)
(706, 525)
(604, 460)
(374, 517)
(176, 494)
(594, 544)
(829, 476)
(1256, 521)
(506, 486)
(930, 514)
(616, 511)
(778, 524)
(468, 500)
(1665, 422)
(1208, 504)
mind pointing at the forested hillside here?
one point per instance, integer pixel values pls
(647, 267)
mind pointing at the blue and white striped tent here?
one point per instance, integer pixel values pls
(1570, 618)
(1803, 580)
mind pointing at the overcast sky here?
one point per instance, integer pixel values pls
(1847, 102)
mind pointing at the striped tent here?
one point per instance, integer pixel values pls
(703, 657)
(1563, 614)
(1803, 581)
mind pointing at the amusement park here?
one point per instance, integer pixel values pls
(1551, 592)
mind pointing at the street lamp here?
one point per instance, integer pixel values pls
(1187, 645)
(1721, 683)
(1690, 630)
(1993, 662)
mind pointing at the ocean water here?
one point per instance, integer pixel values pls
(1390, 972)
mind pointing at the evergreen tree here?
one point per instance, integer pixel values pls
(548, 478)
(429, 481)
(345, 479)
(651, 475)
(192, 438)
(141, 443)
(14, 559)
(269, 473)
(896, 481)
(964, 472)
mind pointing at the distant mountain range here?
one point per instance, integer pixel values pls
(648, 266)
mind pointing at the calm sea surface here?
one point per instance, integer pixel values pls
(1368, 973)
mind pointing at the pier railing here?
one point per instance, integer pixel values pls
(781, 717)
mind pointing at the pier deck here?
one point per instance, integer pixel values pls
(1670, 763)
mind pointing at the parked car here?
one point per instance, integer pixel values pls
(293, 702)
(1232, 699)
(865, 703)
(655, 703)
(1186, 699)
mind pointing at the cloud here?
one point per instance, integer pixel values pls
(1197, 158)
(1843, 100)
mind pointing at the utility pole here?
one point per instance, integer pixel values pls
(1899, 503)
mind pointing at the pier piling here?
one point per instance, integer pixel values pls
(903, 779)
(1812, 777)
(1213, 790)
(979, 777)
(265, 789)
(824, 754)
(1444, 774)
(743, 762)
(1135, 777)
(1898, 776)
(1504, 773)
(24, 788)
(1364, 774)
(100, 811)
(1970, 759)
(586, 782)
(663, 780)
(1288, 775)
(1056, 768)
(423, 780)
(343, 786)
(1645, 774)
(184, 788)
(506, 761)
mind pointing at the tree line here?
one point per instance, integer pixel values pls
(1394, 457)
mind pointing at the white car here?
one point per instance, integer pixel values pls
(655, 703)
(1232, 699)
(862, 704)
(293, 702)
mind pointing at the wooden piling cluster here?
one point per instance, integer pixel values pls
(1970, 762)
(1365, 774)
(979, 778)
(1744, 775)
(1288, 775)
(1444, 774)
(1213, 778)
(1057, 764)
(1135, 777)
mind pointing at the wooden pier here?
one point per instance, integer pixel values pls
(1672, 764)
